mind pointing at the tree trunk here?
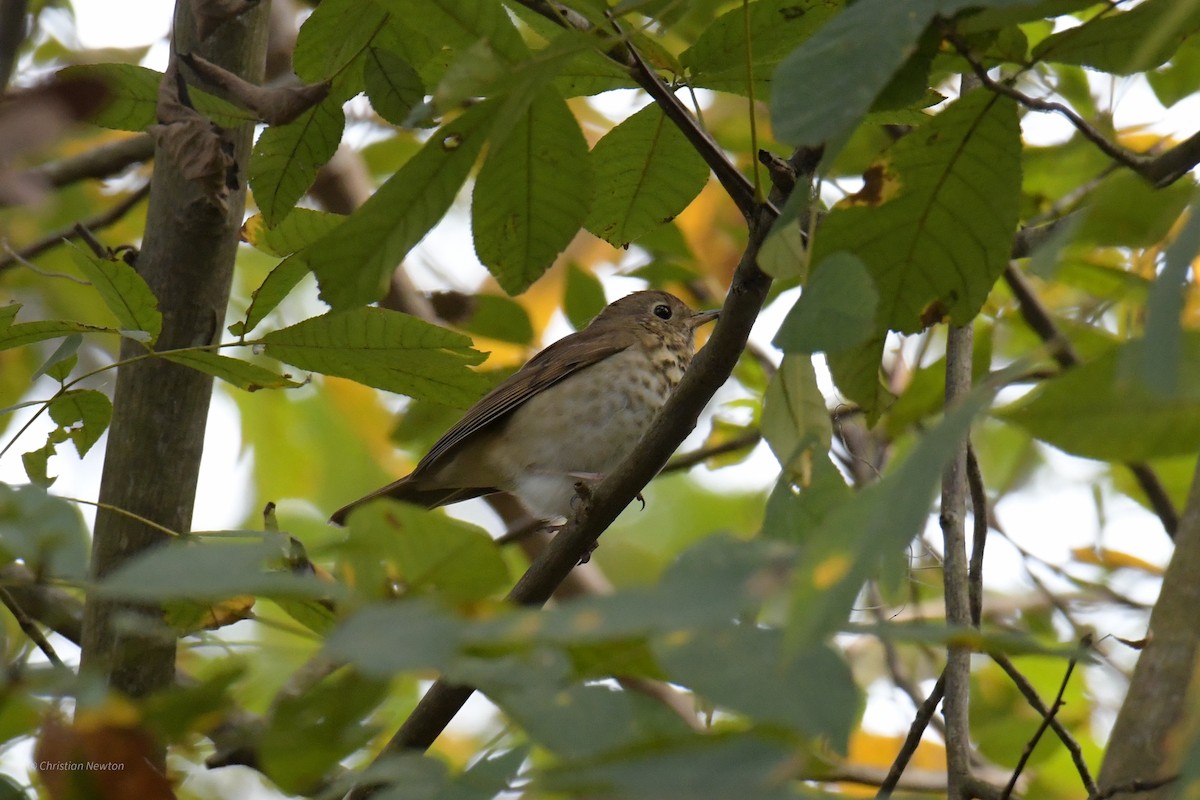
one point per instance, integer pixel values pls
(157, 433)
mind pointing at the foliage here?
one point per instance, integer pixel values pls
(759, 620)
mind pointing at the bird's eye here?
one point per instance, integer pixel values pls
(662, 311)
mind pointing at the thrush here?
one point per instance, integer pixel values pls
(570, 415)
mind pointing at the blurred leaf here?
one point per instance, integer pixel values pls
(308, 733)
(836, 310)
(387, 638)
(796, 509)
(354, 262)
(92, 410)
(649, 173)
(497, 317)
(583, 297)
(718, 58)
(856, 373)
(242, 374)
(1125, 210)
(206, 568)
(532, 194)
(1179, 78)
(1138, 423)
(882, 521)
(1138, 39)
(1159, 367)
(44, 531)
(58, 365)
(697, 767)
(795, 419)
(384, 349)
(429, 549)
(287, 157)
(936, 248)
(744, 668)
(123, 290)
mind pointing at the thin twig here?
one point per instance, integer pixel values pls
(1047, 720)
(915, 732)
(700, 455)
(1031, 696)
(98, 222)
(30, 628)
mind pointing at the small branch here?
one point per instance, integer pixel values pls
(1031, 696)
(700, 455)
(102, 162)
(12, 34)
(979, 516)
(955, 571)
(913, 740)
(98, 222)
(1047, 720)
(30, 628)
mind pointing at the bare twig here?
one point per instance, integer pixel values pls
(98, 222)
(955, 571)
(700, 455)
(1047, 719)
(101, 162)
(1031, 696)
(30, 628)
(915, 732)
(979, 516)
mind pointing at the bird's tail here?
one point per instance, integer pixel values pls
(409, 491)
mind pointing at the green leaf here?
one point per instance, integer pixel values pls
(84, 414)
(836, 310)
(936, 248)
(429, 550)
(1179, 78)
(1164, 310)
(1139, 39)
(242, 374)
(811, 692)
(795, 420)
(286, 157)
(300, 228)
(393, 85)
(699, 767)
(649, 173)
(36, 464)
(802, 499)
(583, 297)
(278, 284)
(499, 318)
(856, 373)
(308, 733)
(134, 97)
(1126, 211)
(44, 531)
(574, 721)
(353, 262)
(532, 194)
(387, 638)
(718, 58)
(462, 23)
(1106, 396)
(333, 40)
(209, 569)
(60, 363)
(384, 349)
(123, 290)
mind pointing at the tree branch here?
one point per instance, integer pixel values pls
(913, 739)
(12, 34)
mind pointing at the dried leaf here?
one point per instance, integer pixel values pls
(276, 106)
(104, 756)
(198, 146)
(209, 14)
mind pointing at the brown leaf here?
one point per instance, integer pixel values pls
(209, 14)
(103, 756)
(198, 147)
(275, 106)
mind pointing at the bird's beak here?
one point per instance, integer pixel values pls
(701, 317)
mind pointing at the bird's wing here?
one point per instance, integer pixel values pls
(565, 357)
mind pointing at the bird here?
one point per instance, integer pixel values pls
(566, 418)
